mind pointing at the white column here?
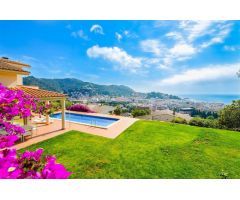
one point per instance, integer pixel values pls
(63, 113)
(47, 116)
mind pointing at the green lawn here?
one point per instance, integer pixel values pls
(149, 149)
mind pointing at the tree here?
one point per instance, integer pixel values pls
(30, 164)
(174, 111)
(117, 110)
(229, 117)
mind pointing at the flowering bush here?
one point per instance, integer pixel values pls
(28, 164)
(80, 108)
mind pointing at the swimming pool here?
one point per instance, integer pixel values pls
(103, 122)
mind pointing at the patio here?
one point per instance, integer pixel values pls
(45, 131)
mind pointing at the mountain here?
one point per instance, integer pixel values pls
(76, 88)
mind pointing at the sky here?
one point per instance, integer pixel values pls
(175, 57)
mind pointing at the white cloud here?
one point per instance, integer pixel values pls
(202, 74)
(182, 50)
(196, 29)
(79, 34)
(118, 36)
(126, 32)
(117, 56)
(152, 46)
(29, 58)
(189, 38)
(129, 34)
(231, 48)
(219, 34)
(97, 29)
(175, 35)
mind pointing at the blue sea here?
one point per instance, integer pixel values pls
(216, 98)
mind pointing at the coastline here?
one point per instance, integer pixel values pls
(211, 98)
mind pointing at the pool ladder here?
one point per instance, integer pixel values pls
(92, 123)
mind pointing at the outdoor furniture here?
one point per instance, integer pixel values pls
(28, 131)
(41, 120)
(3, 132)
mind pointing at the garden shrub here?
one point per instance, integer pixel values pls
(209, 123)
(80, 108)
(117, 111)
(140, 112)
(179, 120)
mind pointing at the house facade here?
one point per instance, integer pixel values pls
(11, 76)
(12, 72)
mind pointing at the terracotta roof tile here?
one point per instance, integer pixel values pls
(9, 67)
(39, 93)
(14, 62)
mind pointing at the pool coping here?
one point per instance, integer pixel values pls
(89, 114)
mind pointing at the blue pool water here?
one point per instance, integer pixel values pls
(86, 119)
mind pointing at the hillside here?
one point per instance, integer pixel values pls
(75, 88)
(159, 95)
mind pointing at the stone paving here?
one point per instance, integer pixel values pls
(44, 132)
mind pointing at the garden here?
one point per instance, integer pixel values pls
(149, 149)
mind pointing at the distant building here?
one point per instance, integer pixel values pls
(160, 107)
(144, 107)
(186, 110)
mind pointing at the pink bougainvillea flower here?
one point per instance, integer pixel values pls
(53, 170)
(80, 108)
(7, 140)
(34, 155)
(30, 164)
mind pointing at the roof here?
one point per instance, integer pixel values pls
(39, 93)
(8, 67)
(6, 60)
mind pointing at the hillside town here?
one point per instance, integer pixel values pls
(161, 109)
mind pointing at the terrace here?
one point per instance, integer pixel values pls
(46, 131)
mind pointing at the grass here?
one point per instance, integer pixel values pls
(149, 149)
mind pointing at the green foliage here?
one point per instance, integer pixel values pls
(68, 103)
(56, 105)
(229, 117)
(203, 114)
(117, 111)
(209, 123)
(179, 120)
(149, 149)
(140, 112)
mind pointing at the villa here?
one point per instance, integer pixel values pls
(11, 76)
